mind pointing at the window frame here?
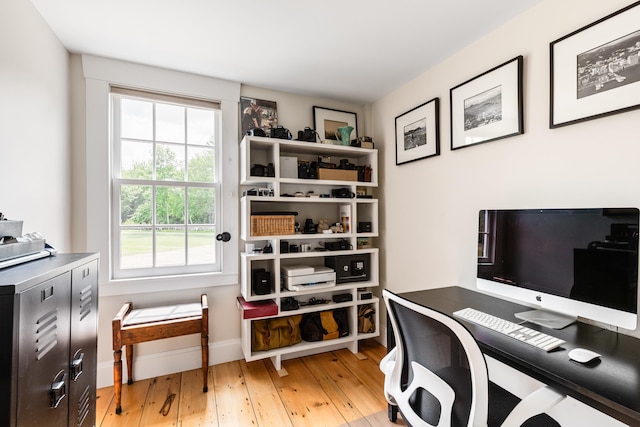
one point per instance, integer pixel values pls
(93, 213)
(117, 94)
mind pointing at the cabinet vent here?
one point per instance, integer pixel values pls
(83, 406)
(46, 333)
(86, 302)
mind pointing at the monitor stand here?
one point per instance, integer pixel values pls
(546, 318)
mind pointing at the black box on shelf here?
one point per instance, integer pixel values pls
(350, 268)
(260, 281)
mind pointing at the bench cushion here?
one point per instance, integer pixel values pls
(159, 314)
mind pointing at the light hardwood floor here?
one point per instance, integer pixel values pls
(331, 389)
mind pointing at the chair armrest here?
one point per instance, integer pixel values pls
(541, 400)
(388, 361)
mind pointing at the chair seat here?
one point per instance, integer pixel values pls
(160, 314)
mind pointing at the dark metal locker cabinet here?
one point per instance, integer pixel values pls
(83, 350)
(43, 380)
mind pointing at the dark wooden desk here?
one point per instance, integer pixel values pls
(611, 385)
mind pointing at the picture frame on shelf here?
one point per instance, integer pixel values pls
(489, 106)
(327, 121)
(418, 132)
(595, 70)
(257, 113)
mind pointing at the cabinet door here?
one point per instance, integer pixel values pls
(83, 354)
(43, 380)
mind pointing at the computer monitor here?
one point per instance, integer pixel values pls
(566, 263)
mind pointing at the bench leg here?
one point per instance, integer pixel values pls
(129, 364)
(117, 379)
(205, 363)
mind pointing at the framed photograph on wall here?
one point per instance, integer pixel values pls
(488, 107)
(327, 121)
(595, 71)
(418, 133)
(258, 113)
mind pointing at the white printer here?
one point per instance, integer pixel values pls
(303, 277)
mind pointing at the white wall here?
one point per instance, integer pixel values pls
(295, 112)
(430, 207)
(35, 163)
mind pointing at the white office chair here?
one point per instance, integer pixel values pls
(437, 375)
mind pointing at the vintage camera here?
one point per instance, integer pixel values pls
(307, 134)
(288, 304)
(345, 164)
(307, 170)
(280, 133)
(340, 245)
(309, 227)
(364, 227)
(342, 193)
(256, 132)
(258, 170)
(262, 170)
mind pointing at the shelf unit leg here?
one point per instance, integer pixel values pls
(277, 362)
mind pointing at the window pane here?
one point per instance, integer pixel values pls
(169, 123)
(202, 206)
(169, 162)
(201, 161)
(200, 126)
(135, 205)
(169, 205)
(170, 247)
(136, 248)
(136, 160)
(136, 119)
(202, 245)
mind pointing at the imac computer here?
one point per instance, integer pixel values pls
(565, 263)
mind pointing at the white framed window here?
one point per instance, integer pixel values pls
(165, 184)
(94, 217)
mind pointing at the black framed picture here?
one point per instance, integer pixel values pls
(489, 106)
(418, 132)
(258, 114)
(595, 71)
(327, 121)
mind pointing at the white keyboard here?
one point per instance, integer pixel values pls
(522, 333)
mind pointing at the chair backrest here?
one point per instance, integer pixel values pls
(440, 375)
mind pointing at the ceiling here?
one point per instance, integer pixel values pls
(350, 50)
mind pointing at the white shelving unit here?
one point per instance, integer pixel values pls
(261, 150)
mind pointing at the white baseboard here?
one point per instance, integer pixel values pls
(184, 359)
(170, 362)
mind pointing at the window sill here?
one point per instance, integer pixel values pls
(166, 283)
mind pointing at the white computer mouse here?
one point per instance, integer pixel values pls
(582, 355)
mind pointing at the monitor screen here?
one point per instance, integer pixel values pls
(576, 262)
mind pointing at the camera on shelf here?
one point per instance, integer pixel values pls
(262, 170)
(280, 133)
(344, 164)
(342, 193)
(309, 227)
(308, 135)
(256, 132)
(307, 170)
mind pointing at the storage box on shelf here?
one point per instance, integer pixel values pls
(287, 204)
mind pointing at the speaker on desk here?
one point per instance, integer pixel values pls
(260, 281)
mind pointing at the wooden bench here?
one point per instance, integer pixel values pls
(130, 327)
